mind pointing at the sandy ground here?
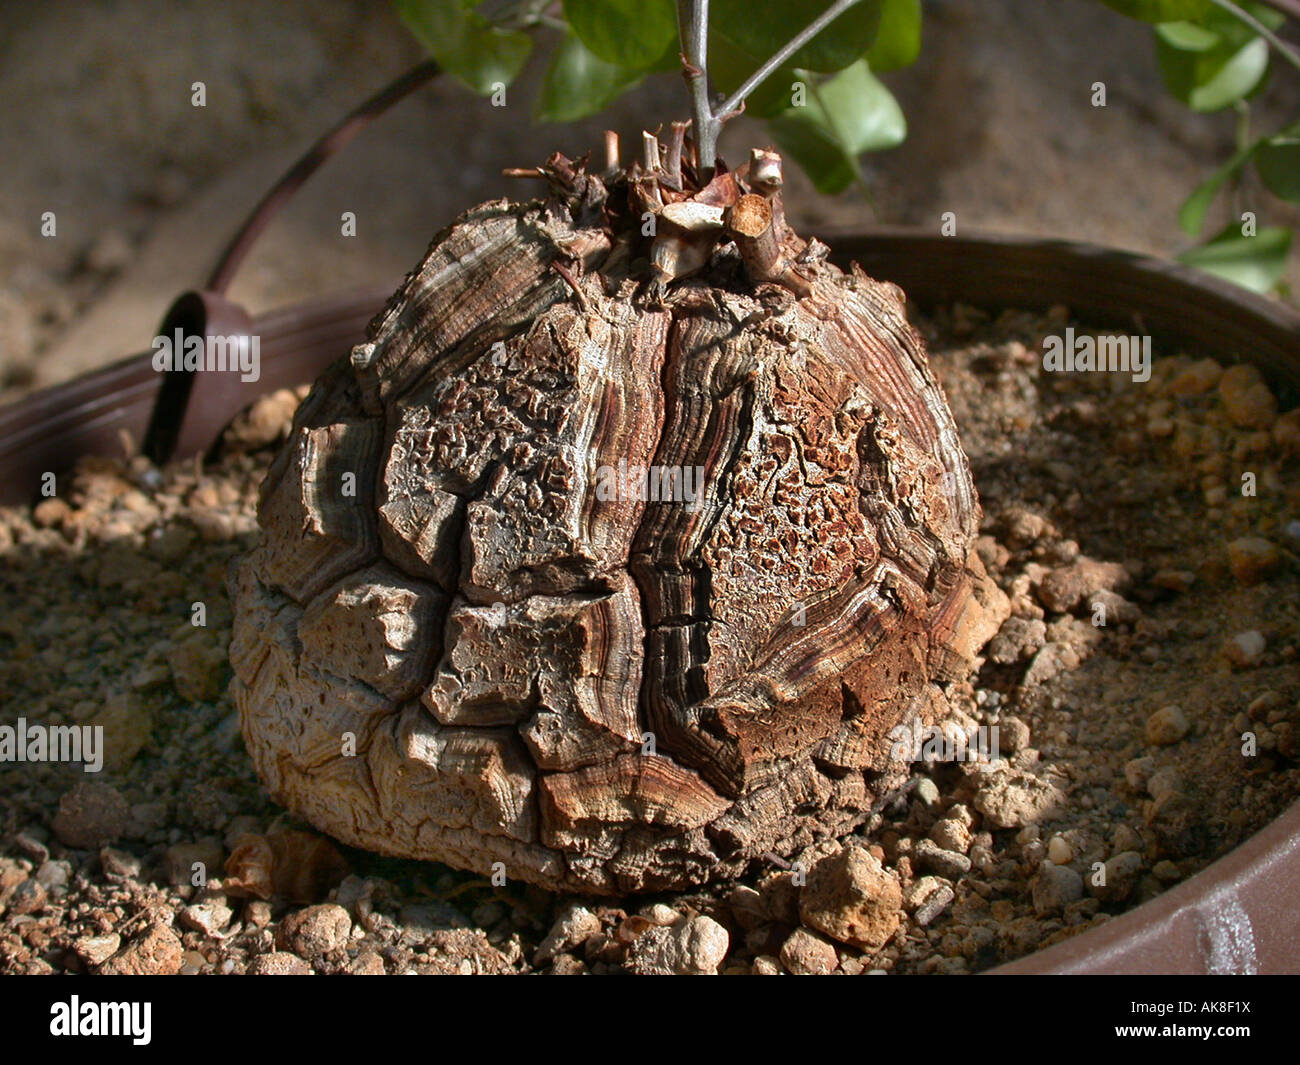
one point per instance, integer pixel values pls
(99, 128)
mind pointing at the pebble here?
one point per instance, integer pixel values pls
(1167, 726)
(574, 926)
(95, 950)
(315, 930)
(1247, 398)
(208, 918)
(367, 963)
(1018, 638)
(28, 897)
(951, 834)
(1023, 528)
(1014, 798)
(1253, 559)
(1013, 735)
(1138, 770)
(806, 954)
(278, 963)
(1125, 839)
(146, 819)
(930, 856)
(927, 898)
(1065, 587)
(198, 666)
(1161, 783)
(157, 952)
(1246, 649)
(1286, 432)
(765, 965)
(1054, 887)
(1059, 852)
(32, 846)
(693, 946)
(193, 863)
(853, 899)
(128, 728)
(54, 876)
(660, 913)
(926, 790)
(1111, 608)
(1174, 580)
(1197, 379)
(1122, 872)
(91, 815)
(1265, 704)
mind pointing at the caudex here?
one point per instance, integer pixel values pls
(613, 692)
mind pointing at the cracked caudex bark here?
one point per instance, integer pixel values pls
(468, 636)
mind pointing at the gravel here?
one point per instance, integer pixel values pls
(1054, 887)
(852, 898)
(315, 931)
(694, 946)
(805, 953)
(1167, 726)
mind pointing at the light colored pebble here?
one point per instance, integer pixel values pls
(1059, 852)
(1253, 559)
(1167, 726)
(1246, 649)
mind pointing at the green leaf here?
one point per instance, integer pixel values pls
(1187, 36)
(761, 29)
(862, 112)
(465, 44)
(1256, 263)
(579, 83)
(1213, 79)
(1277, 161)
(898, 40)
(1160, 10)
(844, 116)
(636, 34)
(1191, 216)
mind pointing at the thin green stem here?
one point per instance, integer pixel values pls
(693, 31)
(737, 98)
(1242, 15)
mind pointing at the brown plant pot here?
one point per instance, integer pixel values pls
(1238, 915)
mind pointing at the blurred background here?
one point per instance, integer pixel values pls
(97, 126)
